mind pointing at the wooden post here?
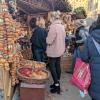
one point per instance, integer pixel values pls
(28, 23)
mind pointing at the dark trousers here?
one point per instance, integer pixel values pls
(54, 66)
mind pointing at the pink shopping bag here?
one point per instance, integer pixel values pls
(81, 77)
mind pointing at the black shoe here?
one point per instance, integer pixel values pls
(52, 86)
(55, 90)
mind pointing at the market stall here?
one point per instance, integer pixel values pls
(15, 52)
(11, 57)
(6, 52)
(10, 31)
(69, 23)
(30, 9)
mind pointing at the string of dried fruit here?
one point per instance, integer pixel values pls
(16, 63)
(4, 64)
(10, 31)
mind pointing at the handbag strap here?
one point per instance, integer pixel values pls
(97, 45)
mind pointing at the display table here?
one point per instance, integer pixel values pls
(32, 91)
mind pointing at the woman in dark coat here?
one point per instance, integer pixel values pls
(38, 41)
(91, 55)
(95, 24)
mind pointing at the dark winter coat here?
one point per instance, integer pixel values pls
(81, 35)
(92, 56)
(38, 38)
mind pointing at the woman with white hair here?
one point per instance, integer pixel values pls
(81, 35)
(81, 32)
(55, 49)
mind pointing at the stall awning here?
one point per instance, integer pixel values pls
(41, 6)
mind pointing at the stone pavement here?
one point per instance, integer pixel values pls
(69, 92)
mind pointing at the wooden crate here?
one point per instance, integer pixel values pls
(5, 84)
(66, 62)
(1, 79)
(32, 92)
(6, 79)
(10, 91)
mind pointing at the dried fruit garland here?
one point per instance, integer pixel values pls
(10, 31)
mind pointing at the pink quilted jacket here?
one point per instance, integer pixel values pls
(56, 39)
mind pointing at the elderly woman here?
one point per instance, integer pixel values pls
(81, 35)
(55, 49)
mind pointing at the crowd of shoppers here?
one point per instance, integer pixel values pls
(51, 43)
(87, 47)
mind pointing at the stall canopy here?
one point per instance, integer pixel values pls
(41, 6)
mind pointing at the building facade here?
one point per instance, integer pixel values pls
(79, 3)
(89, 5)
(92, 7)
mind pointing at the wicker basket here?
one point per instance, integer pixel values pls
(32, 80)
(31, 63)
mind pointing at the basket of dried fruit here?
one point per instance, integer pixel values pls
(32, 76)
(32, 64)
